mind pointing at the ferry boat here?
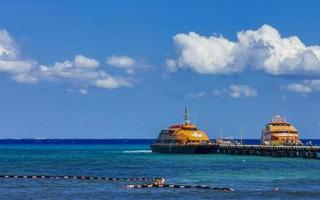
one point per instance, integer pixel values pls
(183, 138)
(280, 132)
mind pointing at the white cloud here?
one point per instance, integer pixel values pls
(171, 65)
(10, 60)
(25, 78)
(82, 71)
(233, 91)
(217, 93)
(16, 66)
(123, 62)
(66, 70)
(83, 91)
(305, 87)
(82, 61)
(110, 82)
(8, 47)
(80, 75)
(262, 49)
(205, 55)
(237, 91)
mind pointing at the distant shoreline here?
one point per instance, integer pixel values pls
(111, 141)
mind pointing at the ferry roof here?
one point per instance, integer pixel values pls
(187, 131)
(278, 123)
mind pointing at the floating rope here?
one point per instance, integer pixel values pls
(179, 186)
(156, 182)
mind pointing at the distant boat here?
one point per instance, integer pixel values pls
(226, 141)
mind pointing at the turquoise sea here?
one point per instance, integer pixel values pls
(251, 177)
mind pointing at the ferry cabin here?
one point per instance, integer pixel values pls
(279, 132)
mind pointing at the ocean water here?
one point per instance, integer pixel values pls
(251, 177)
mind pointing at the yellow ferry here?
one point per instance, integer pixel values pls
(183, 138)
(279, 132)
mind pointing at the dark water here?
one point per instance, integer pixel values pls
(252, 177)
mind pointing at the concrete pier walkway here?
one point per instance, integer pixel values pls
(276, 151)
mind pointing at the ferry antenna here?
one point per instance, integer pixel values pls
(186, 116)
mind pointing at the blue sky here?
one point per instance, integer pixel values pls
(126, 69)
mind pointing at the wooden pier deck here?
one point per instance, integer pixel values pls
(312, 152)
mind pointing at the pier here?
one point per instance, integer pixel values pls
(312, 152)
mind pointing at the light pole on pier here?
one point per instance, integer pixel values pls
(221, 132)
(241, 134)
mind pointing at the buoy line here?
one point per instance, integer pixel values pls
(179, 186)
(155, 182)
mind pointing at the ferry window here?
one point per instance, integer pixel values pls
(191, 129)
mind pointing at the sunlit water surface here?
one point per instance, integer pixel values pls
(252, 177)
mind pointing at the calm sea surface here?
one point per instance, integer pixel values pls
(252, 177)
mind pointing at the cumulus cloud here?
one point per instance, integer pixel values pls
(82, 71)
(123, 62)
(262, 49)
(233, 91)
(110, 82)
(238, 91)
(205, 55)
(10, 59)
(305, 87)
(86, 74)
(82, 61)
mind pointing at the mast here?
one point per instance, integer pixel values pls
(186, 116)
